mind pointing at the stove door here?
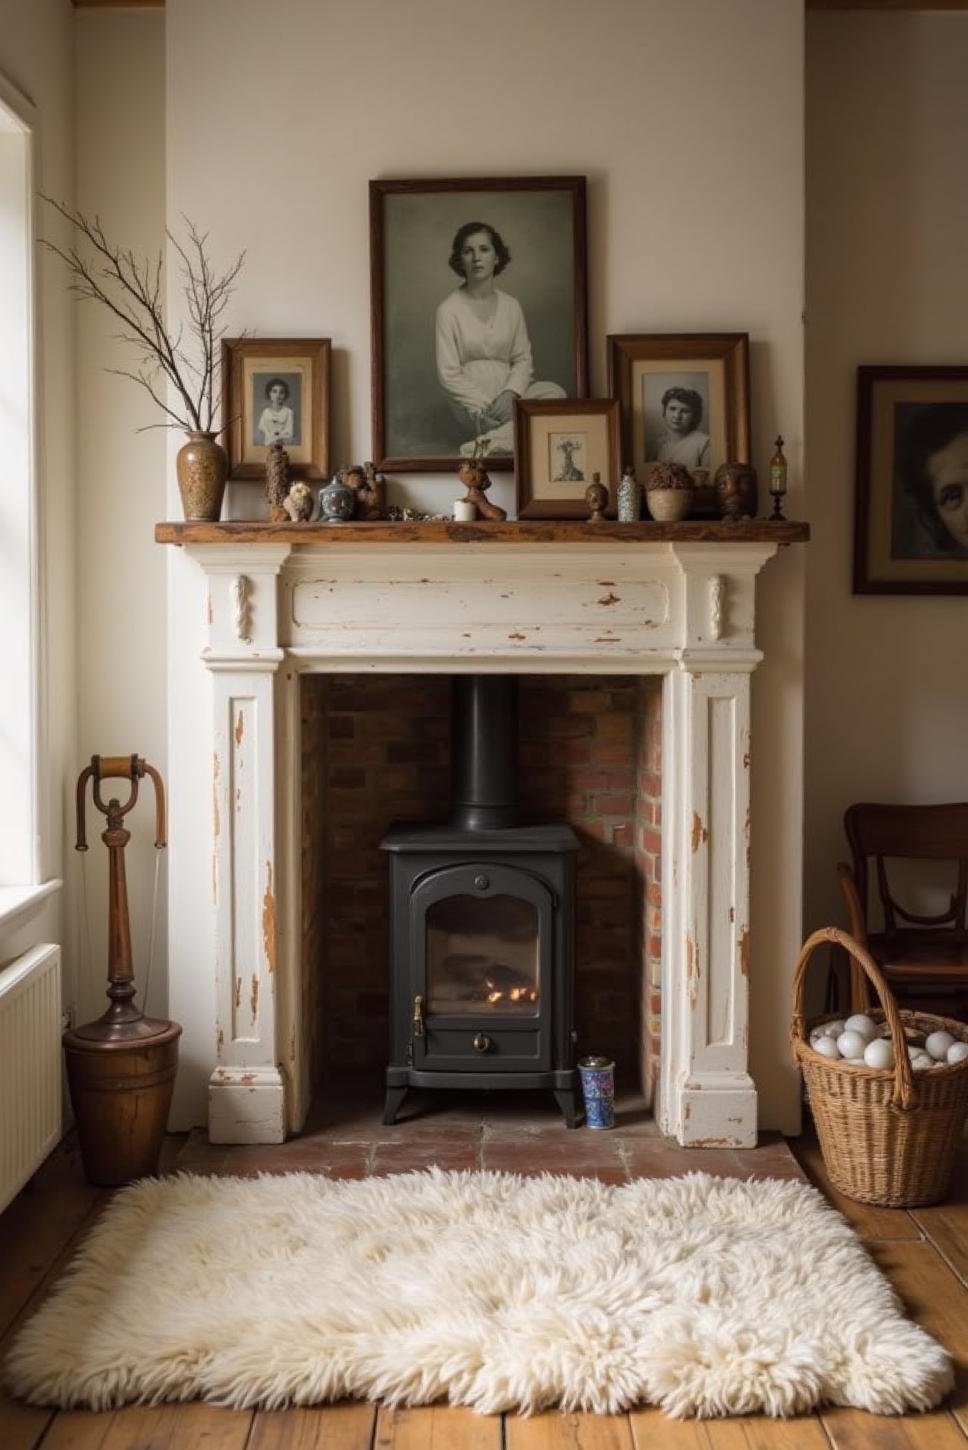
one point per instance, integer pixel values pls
(481, 953)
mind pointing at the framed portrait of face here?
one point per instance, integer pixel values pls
(276, 390)
(684, 399)
(911, 499)
(559, 449)
(477, 300)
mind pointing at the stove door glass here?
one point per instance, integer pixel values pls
(482, 955)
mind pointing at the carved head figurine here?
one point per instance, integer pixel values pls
(596, 497)
(736, 491)
(475, 480)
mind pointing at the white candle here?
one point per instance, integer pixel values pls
(464, 511)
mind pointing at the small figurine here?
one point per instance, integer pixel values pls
(372, 494)
(299, 503)
(736, 491)
(629, 497)
(277, 482)
(475, 480)
(596, 497)
(778, 479)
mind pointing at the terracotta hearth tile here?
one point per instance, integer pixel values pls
(661, 1158)
(408, 1157)
(333, 1160)
(580, 1157)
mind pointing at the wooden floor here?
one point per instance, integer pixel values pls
(925, 1253)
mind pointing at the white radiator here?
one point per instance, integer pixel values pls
(30, 1065)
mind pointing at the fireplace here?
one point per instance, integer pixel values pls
(482, 926)
(256, 608)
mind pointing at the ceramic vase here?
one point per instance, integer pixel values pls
(202, 466)
(629, 500)
(669, 505)
(337, 502)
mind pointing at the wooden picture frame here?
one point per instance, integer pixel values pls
(911, 494)
(298, 414)
(439, 354)
(713, 367)
(558, 447)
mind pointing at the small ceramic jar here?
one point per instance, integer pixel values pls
(629, 497)
(337, 502)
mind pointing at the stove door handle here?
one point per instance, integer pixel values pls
(418, 1021)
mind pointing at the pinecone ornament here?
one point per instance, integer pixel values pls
(277, 481)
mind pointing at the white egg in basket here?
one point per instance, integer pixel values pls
(936, 1045)
(851, 1044)
(879, 1053)
(831, 1029)
(957, 1052)
(922, 1063)
(826, 1046)
(862, 1024)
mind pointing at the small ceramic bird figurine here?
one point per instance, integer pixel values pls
(299, 503)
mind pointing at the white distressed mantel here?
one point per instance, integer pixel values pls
(271, 612)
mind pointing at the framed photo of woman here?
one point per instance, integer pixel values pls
(478, 300)
(911, 501)
(276, 390)
(684, 399)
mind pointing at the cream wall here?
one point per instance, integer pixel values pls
(36, 57)
(687, 120)
(120, 174)
(887, 218)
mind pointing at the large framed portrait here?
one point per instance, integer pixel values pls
(684, 399)
(561, 446)
(911, 500)
(478, 299)
(276, 390)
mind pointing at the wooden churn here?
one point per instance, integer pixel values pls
(121, 1068)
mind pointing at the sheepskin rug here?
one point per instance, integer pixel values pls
(707, 1296)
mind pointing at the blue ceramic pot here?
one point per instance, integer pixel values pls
(337, 502)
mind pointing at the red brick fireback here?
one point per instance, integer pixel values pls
(376, 750)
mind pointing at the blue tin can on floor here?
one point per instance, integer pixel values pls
(598, 1091)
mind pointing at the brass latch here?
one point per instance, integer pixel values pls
(418, 1024)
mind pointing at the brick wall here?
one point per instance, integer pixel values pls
(376, 749)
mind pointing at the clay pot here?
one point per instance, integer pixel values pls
(202, 466)
(669, 505)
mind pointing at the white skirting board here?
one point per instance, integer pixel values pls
(30, 1065)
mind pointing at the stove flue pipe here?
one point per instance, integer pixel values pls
(484, 740)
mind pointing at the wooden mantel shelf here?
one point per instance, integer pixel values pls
(691, 531)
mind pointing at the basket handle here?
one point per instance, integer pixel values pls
(905, 1094)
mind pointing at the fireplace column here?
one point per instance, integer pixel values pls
(247, 1097)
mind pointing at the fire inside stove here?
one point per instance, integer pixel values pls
(482, 954)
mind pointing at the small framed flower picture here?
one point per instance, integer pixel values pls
(559, 448)
(911, 502)
(276, 390)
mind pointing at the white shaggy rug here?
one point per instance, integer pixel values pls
(707, 1296)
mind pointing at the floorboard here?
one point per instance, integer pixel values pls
(151, 1427)
(330, 1427)
(553, 1431)
(436, 1427)
(652, 1430)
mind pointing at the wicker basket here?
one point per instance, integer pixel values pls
(887, 1136)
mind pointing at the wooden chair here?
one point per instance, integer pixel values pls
(924, 958)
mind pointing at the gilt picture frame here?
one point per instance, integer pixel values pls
(911, 484)
(452, 347)
(277, 389)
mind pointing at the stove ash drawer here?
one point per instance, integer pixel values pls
(490, 1049)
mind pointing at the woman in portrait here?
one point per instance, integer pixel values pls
(484, 358)
(934, 468)
(276, 422)
(684, 440)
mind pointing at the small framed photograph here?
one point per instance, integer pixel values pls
(478, 299)
(684, 398)
(911, 501)
(559, 447)
(277, 390)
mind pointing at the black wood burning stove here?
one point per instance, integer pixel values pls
(482, 926)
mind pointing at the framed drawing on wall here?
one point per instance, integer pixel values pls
(477, 299)
(559, 447)
(684, 398)
(276, 390)
(911, 498)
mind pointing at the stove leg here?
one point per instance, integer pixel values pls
(394, 1099)
(565, 1098)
